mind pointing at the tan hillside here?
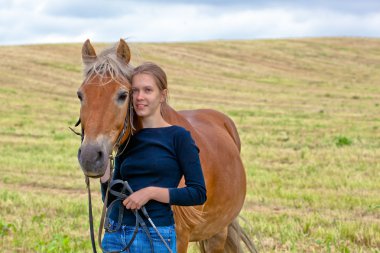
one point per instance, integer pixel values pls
(307, 111)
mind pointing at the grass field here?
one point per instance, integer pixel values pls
(307, 111)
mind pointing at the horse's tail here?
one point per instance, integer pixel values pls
(235, 236)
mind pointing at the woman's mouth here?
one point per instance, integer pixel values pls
(140, 106)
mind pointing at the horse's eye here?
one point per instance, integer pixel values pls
(79, 94)
(122, 97)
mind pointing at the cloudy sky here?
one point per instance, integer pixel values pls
(56, 21)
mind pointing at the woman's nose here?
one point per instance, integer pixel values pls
(139, 96)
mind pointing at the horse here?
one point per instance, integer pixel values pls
(106, 123)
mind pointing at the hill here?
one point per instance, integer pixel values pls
(307, 111)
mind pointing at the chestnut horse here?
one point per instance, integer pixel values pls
(105, 99)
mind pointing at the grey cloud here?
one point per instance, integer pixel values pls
(43, 21)
(88, 8)
(350, 6)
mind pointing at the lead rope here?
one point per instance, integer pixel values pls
(103, 216)
(138, 218)
(90, 217)
(91, 221)
(100, 232)
(121, 196)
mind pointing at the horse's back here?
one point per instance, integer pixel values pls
(208, 122)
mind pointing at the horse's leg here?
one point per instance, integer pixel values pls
(182, 242)
(216, 243)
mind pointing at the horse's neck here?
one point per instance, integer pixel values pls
(174, 118)
(170, 115)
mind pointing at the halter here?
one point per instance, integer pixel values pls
(120, 196)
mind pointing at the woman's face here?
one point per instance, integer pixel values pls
(146, 95)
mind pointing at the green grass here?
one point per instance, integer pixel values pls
(306, 110)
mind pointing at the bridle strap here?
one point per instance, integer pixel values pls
(100, 231)
(127, 119)
(122, 133)
(90, 216)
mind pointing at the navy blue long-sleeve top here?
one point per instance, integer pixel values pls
(160, 157)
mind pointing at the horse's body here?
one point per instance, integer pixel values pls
(213, 224)
(219, 144)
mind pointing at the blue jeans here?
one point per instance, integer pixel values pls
(116, 241)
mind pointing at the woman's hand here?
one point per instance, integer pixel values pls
(139, 198)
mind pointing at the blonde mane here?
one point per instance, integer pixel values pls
(107, 65)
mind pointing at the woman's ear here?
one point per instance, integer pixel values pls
(164, 95)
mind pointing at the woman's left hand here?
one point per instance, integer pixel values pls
(137, 199)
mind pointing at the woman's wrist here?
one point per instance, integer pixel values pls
(159, 194)
(151, 192)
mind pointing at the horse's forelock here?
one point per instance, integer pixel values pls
(108, 64)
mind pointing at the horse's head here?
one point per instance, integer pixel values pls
(105, 98)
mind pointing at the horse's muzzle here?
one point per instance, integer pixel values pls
(93, 158)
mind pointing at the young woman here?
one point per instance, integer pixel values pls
(154, 161)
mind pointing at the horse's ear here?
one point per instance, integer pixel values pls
(123, 51)
(88, 52)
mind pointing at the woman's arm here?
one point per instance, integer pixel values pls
(137, 199)
(194, 193)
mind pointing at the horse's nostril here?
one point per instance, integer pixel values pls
(79, 152)
(100, 156)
